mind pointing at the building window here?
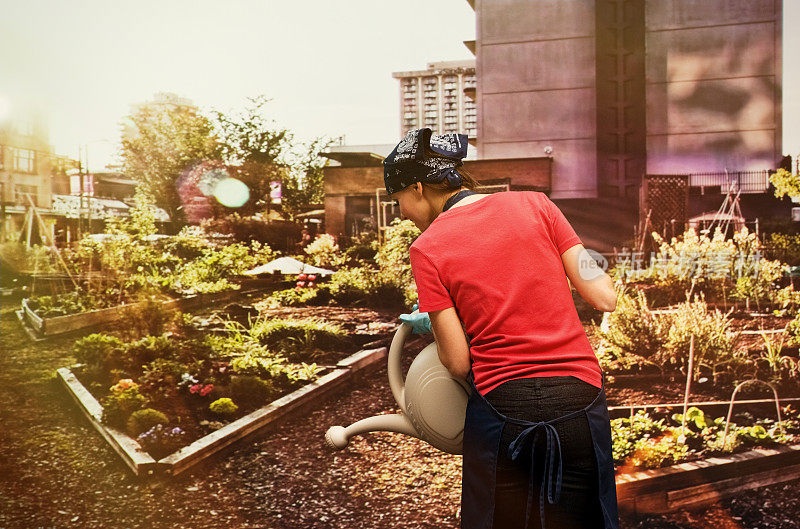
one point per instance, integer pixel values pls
(25, 160)
(22, 192)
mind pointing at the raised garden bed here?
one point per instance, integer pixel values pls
(42, 328)
(142, 464)
(698, 483)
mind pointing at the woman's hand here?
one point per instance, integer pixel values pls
(451, 342)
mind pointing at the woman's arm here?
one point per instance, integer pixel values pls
(451, 342)
(591, 282)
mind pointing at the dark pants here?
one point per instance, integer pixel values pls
(543, 399)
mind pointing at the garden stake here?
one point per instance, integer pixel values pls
(688, 386)
(730, 407)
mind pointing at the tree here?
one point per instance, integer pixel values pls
(164, 140)
(304, 185)
(256, 151)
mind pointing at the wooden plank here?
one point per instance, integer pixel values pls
(251, 423)
(364, 359)
(131, 452)
(711, 492)
(645, 485)
(32, 318)
(357, 363)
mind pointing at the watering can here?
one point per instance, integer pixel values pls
(433, 402)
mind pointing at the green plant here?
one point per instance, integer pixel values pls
(148, 349)
(118, 406)
(780, 365)
(714, 343)
(633, 329)
(785, 183)
(298, 339)
(626, 432)
(292, 297)
(302, 372)
(95, 348)
(223, 406)
(324, 251)
(252, 390)
(161, 376)
(142, 420)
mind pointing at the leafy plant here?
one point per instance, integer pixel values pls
(324, 251)
(251, 390)
(95, 348)
(119, 405)
(224, 407)
(161, 377)
(298, 339)
(714, 343)
(161, 440)
(634, 330)
(142, 420)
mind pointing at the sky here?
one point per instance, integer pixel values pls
(327, 65)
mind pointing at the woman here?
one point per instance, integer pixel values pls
(537, 439)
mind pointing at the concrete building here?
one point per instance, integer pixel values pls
(616, 89)
(442, 98)
(26, 168)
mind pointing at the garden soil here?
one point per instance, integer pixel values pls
(56, 471)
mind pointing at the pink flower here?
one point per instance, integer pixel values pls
(206, 390)
(195, 388)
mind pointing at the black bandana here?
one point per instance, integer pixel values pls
(408, 164)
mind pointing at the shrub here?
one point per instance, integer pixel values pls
(633, 329)
(161, 376)
(251, 390)
(625, 432)
(393, 258)
(223, 406)
(149, 317)
(324, 251)
(281, 236)
(784, 247)
(94, 349)
(118, 406)
(352, 285)
(150, 348)
(293, 297)
(713, 342)
(298, 338)
(142, 420)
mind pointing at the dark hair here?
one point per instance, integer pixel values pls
(467, 180)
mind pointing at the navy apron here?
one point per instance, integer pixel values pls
(483, 427)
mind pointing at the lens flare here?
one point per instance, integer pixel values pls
(231, 193)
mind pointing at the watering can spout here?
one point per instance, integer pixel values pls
(337, 437)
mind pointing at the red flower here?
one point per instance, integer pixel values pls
(206, 390)
(195, 388)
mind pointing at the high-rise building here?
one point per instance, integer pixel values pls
(441, 98)
(614, 90)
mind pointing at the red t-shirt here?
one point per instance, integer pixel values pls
(498, 261)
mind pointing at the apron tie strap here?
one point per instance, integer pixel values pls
(551, 477)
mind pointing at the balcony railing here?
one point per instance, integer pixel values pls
(746, 181)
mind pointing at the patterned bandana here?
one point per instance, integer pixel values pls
(408, 164)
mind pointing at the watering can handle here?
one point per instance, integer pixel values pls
(395, 369)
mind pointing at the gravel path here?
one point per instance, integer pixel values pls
(56, 471)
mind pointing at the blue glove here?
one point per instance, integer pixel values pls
(419, 321)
